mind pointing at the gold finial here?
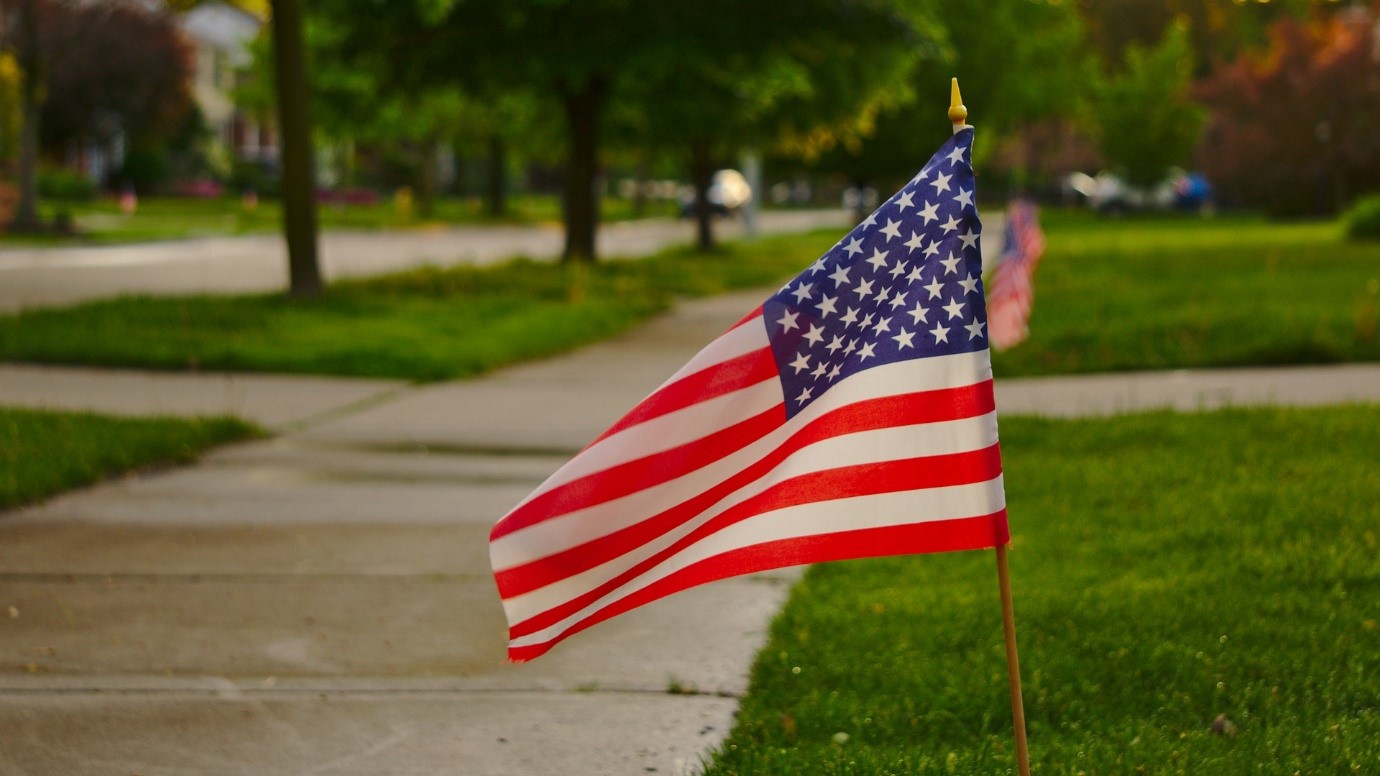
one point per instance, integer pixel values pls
(958, 112)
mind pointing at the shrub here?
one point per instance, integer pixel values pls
(63, 184)
(1363, 220)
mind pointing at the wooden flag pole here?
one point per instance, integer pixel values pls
(1013, 662)
(958, 114)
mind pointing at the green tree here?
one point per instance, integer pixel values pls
(1143, 116)
(819, 75)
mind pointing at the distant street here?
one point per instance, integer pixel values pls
(39, 277)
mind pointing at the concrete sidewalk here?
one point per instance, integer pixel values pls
(39, 277)
(320, 602)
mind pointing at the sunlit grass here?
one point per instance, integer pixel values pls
(1166, 569)
(425, 324)
(1152, 293)
(44, 452)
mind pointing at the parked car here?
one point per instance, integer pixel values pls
(729, 192)
(1108, 193)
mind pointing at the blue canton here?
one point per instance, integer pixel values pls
(905, 283)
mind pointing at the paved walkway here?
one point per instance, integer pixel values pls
(36, 277)
(320, 602)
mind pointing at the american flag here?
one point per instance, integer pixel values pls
(850, 415)
(1012, 293)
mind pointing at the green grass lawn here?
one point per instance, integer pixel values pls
(1166, 292)
(425, 324)
(1166, 569)
(44, 452)
(166, 218)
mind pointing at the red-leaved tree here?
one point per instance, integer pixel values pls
(1296, 129)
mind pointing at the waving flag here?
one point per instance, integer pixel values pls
(850, 415)
(1012, 293)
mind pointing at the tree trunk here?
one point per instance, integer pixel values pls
(702, 176)
(299, 189)
(639, 199)
(583, 110)
(26, 211)
(426, 178)
(496, 195)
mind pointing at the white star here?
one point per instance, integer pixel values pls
(788, 321)
(940, 182)
(932, 249)
(840, 275)
(882, 295)
(974, 329)
(892, 229)
(802, 292)
(815, 335)
(951, 264)
(934, 288)
(817, 266)
(804, 395)
(913, 242)
(801, 362)
(878, 259)
(866, 351)
(871, 219)
(954, 308)
(868, 320)
(903, 340)
(898, 269)
(819, 369)
(883, 326)
(955, 155)
(930, 212)
(904, 201)
(863, 288)
(969, 284)
(969, 238)
(964, 198)
(941, 333)
(834, 371)
(899, 300)
(854, 246)
(950, 225)
(850, 317)
(914, 275)
(849, 348)
(920, 314)
(834, 344)
(826, 305)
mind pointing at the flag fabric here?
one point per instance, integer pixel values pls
(850, 415)
(1011, 293)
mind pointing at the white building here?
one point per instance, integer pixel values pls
(220, 35)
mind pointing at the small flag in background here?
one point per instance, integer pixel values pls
(851, 415)
(1011, 294)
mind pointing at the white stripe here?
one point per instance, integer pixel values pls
(889, 444)
(584, 525)
(744, 338)
(823, 517)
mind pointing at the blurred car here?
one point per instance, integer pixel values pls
(1108, 193)
(728, 193)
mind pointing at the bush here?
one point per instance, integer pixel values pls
(1363, 220)
(146, 169)
(64, 184)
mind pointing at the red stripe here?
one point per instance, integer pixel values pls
(870, 479)
(708, 383)
(943, 536)
(597, 488)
